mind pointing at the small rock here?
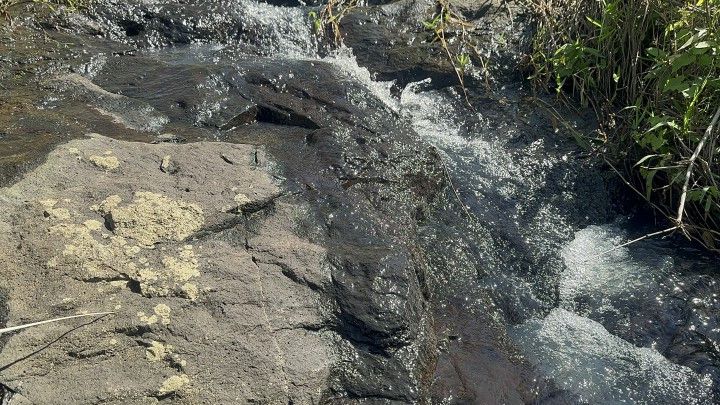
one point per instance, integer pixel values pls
(168, 165)
(168, 138)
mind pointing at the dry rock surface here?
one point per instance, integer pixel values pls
(193, 262)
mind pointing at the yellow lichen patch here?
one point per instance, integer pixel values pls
(96, 258)
(48, 203)
(62, 214)
(107, 205)
(93, 225)
(147, 320)
(132, 251)
(172, 277)
(184, 267)
(157, 351)
(149, 285)
(163, 312)
(152, 217)
(107, 162)
(173, 384)
(241, 199)
(50, 211)
(190, 291)
(115, 255)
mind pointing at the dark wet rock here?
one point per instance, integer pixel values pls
(281, 115)
(247, 116)
(393, 45)
(391, 42)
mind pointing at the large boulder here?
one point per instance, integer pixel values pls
(205, 309)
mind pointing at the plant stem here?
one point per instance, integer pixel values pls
(688, 172)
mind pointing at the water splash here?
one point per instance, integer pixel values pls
(278, 31)
(608, 277)
(583, 357)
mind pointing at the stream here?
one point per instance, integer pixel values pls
(533, 251)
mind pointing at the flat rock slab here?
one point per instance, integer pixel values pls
(161, 235)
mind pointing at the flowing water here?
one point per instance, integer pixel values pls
(637, 325)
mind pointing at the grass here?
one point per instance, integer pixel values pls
(327, 22)
(8, 7)
(651, 71)
(444, 24)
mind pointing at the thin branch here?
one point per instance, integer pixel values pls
(29, 325)
(633, 188)
(691, 164)
(454, 189)
(649, 235)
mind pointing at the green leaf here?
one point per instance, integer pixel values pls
(705, 44)
(708, 205)
(649, 183)
(594, 22)
(644, 159)
(697, 195)
(675, 84)
(680, 61)
(663, 122)
(705, 60)
(656, 53)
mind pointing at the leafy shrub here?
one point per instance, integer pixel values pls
(651, 71)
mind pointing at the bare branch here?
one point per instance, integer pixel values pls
(691, 164)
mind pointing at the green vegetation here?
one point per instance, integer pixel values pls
(7, 7)
(328, 21)
(651, 71)
(447, 28)
(443, 24)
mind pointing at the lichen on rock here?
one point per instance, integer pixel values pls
(82, 241)
(115, 256)
(151, 218)
(161, 314)
(174, 384)
(172, 277)
(157, 351)
(105, 162)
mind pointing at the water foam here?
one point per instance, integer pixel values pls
(594, 269)
(583, 357)
(279, 31)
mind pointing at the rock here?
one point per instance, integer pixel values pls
(167, 165)
(236, 335)
(331, 262)
(168, 138)
(247, 116)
